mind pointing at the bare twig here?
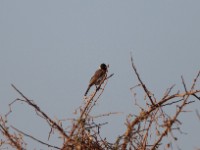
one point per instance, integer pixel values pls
(143, 85)
(37, 140)
(44, 115)
(14, 140)
(171, 122)
(198, 115)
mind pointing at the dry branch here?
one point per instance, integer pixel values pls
(144, 131)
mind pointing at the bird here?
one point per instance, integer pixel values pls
(98, 77)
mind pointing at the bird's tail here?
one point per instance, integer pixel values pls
(87, 90)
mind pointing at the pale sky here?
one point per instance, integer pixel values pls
(49, 50)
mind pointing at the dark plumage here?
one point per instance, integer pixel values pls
(98, 77)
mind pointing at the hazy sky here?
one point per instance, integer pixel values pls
(49, 49)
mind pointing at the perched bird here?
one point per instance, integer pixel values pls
(98, 77)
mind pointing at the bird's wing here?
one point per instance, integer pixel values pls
(98, 74)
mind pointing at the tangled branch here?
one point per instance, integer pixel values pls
(144, 131)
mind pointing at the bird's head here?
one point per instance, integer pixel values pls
(103, 66)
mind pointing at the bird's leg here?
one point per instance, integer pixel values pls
(98, 87)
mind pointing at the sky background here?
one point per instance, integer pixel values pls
(49, 50)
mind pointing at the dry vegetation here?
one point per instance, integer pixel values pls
(148, 130)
